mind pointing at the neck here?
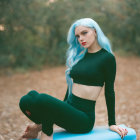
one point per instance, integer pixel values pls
(94, 48)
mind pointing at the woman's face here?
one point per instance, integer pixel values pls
(86, 36)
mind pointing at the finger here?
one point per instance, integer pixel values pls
(126, 130)
(119, 132)
(125, 133)
(122, 131)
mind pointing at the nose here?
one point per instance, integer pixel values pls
(81, 38)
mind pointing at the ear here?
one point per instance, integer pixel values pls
(95, 32)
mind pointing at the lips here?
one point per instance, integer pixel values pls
(83, 43)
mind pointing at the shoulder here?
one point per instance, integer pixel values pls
(109, 60)
(109, 57)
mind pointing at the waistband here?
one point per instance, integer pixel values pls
(81, 102)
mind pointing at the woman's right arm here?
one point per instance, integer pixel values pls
(66, 95)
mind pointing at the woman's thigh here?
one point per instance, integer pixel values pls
(64, 114)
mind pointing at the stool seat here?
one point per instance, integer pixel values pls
(98, 133)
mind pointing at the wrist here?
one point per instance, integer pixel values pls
(111, 123)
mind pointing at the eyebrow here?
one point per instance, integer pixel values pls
(81, 32)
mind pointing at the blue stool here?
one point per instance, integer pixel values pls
(98, 133)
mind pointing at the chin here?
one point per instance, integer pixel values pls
(86, 47)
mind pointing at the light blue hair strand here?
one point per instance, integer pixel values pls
(76, 52)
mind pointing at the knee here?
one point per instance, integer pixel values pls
(28, 105)
(28, 101)
(33, 93)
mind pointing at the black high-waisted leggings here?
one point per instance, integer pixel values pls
(76, 115)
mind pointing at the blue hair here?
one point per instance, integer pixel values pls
(76, 52)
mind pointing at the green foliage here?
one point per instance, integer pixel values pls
(35, 31)
(123, 25)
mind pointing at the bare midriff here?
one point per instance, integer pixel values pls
(86, 92)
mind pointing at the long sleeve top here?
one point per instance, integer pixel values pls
(98, 69)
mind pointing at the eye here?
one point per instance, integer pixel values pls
(84, 32)
(77, 36)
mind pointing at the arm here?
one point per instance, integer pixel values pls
(110, 74)
(66, 95)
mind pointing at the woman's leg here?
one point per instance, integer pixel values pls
(48, 110)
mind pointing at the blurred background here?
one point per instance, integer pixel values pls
(33, 53)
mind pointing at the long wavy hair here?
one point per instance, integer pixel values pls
(76, 52)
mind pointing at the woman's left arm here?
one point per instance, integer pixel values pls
(110, 74)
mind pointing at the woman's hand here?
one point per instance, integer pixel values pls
(121, 131)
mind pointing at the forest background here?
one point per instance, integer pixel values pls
(33, 33)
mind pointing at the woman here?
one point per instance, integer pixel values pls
(91, 65)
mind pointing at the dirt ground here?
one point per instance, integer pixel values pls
(52, 81)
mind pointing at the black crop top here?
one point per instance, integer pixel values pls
(97, 69)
